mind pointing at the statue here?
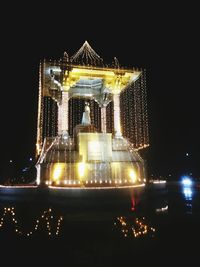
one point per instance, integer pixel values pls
(86, 115)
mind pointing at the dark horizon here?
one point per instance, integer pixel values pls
(164, 43)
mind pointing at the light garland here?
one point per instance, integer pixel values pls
(133, 101)
(134, 118)
(40, 115)
(86, 55)
(137, 228)
(46, 218)
(122, 94)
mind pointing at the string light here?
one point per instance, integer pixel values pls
(134, 117)
(137, 228)
(87, 55)
(126, 105)
(40, 113)
(46, 218)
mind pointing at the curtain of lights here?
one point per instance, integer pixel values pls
(95, 112)
(134, 120)
(110, 118)
(40, 109)
(50, 111)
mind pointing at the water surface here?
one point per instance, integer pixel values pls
(158, 226)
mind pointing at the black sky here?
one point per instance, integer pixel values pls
(161, 38)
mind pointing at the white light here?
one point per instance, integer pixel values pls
(188, 193)
(187, 181)
(133, 175)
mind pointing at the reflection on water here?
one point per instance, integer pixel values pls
(148, 212)
(162, 209)
(156, 223)
(134, 227)
(187, 189)
(47, 219)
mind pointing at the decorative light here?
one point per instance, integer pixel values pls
(136, 228)
(55, 111)
(46, 217)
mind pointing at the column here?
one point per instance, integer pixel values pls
(103, 119)
(63, 114)
(117, 127)
(38, 177)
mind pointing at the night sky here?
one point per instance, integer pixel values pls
(162, 39)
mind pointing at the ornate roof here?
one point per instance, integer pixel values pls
(87, 56)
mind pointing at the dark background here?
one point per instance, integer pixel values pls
(163, 38)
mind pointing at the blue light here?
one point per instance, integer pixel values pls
(187, 191)
(187, 181)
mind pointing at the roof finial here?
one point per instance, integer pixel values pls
(65, 57)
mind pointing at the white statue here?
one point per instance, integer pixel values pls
(86, 114)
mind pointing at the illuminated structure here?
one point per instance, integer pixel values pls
(97, 147)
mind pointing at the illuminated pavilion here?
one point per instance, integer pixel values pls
(92, 122)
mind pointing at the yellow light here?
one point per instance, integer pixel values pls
(58, 171)
(94, 150)
(133, 175)
(81, 169)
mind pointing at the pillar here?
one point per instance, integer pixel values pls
(103, 119)
(117, 126)
(63, 111)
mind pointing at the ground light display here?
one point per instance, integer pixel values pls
(92, 122)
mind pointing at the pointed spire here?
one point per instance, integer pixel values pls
(116, 62)
(87, 55)
(65, 57)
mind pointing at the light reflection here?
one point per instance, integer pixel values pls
(187, 187)
(187, 191)
(163, 209)
(47, 218)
